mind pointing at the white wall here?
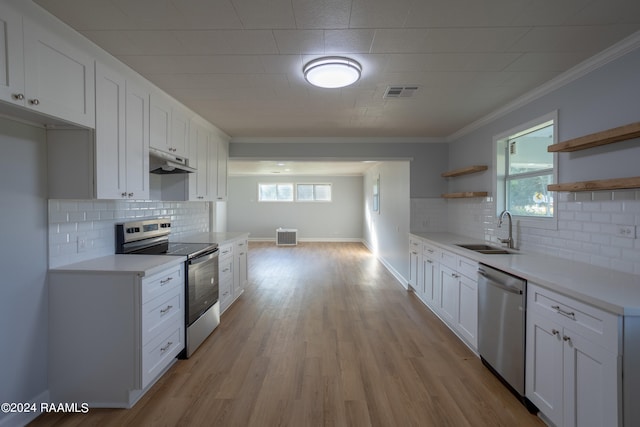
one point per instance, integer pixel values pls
(23, 262)
(338, 220)
(386, 231)
(94, 222)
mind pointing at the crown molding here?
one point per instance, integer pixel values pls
(599, 60)
(337, 140)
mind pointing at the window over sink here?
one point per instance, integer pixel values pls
(524, 168)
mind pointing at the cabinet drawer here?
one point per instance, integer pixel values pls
(241, 246)
(431, 251)
(597, 325)
(160, 283)
(449, 259)
(225, 270)
(159, 312)
(226, 251)
(414, 244)
(225, 290)
(467, 267)
(158, 353)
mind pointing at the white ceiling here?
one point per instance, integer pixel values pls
(238, 62)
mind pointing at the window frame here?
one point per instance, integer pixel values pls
(314, 184)
(293, 195)
(500, 143)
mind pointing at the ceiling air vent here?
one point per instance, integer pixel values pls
(400, 91)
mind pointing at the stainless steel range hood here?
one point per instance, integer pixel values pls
(164, 163)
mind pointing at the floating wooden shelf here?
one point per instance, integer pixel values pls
(599, 138)
(465, 195)
(464, 171)
(596, 185)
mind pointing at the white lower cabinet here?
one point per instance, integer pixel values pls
(112, 334)
(572, 362)
(225, 276)
(446, 282)
(233, 271)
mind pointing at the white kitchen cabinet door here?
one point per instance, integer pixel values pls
(199, 158)
(590, 383)
(221, 161)
(544, 366)
(111, 174)
(59, 78)
(430, 276)
(137, 139)
(11, 56)
(468, 310)
(240, 275)
(414, 262)
(449, 295)
(160, 122)
(180, 121)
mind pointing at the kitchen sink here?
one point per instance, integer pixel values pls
(485, 249)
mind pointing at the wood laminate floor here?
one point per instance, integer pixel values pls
(323, 335)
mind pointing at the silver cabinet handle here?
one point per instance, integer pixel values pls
(18, 96)
(165, 281)
(35, 101)
(164, 310)
(166, 347)
(429, 261)
(566, 339)
(570, 314)
(123, 194)
(555, 332)
(130, 194)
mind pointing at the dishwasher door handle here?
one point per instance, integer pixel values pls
(504, 287)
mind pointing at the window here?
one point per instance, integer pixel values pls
(313, 192)
(525, 168)
(275, 192)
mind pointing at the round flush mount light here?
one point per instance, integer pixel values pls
(332, 72)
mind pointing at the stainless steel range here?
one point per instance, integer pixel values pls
(202, 308)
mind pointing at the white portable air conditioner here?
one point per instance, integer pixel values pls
(286, 237)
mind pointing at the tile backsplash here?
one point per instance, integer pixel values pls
(84, 229)
(588, 225)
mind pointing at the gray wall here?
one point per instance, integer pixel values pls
(428, 160)
(23, 262)
(605, 98)
(386, 231)
(339, 220)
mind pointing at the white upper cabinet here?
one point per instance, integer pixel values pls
(43, 72)
(199, 183)
(11, 56)
(137, 139)
(169, 125)
(223, 157)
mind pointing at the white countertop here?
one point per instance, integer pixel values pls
(610, 290)
(143, 265)
(213, 237)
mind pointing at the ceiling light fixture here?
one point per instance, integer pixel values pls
(332, 72)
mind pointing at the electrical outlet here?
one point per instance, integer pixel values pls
(628, 231)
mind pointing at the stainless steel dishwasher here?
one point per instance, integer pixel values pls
(502, 302)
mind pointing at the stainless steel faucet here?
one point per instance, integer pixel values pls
(509, 240)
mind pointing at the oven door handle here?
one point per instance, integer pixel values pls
(203, 258)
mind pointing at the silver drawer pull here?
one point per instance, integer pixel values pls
(164, 310)
(566, 339)
(165, 281)
(429, 261)
(555, 332)
(570, 314)
(166, 347)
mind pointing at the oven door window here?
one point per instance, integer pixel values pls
(202, 289)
